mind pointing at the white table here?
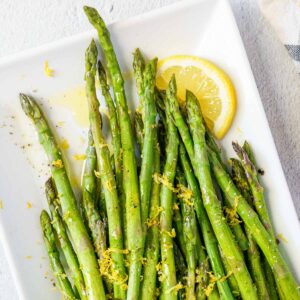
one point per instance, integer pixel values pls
(28, 23)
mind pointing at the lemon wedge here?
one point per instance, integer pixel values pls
(209, 83)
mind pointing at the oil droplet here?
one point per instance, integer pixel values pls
(74, 100)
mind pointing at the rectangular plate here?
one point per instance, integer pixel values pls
(204, 28)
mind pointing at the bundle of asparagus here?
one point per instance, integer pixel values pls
(174, 221)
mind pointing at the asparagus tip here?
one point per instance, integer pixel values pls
(29, 106)
(44, 218)
(50, 190)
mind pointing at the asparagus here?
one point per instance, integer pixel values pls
(130, 179)
(189, 236)
(152, 241)
(256, 188)
(64, 240)
(231, 279)
(261, 271)
(90, 210)
(79, 235)
(248, 161)
(210, 241)
(116, 141)
(178, 225)
(53, 253)
(118, 273)
(235, 226)
(167, 254)
(139, 129)
(180, 268)
(149, 113)
(211, 202)
(138, 71)
(283, 277)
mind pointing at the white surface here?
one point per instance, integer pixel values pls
(275, 75)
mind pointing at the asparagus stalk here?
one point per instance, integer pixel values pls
(64, 240)
(283, 276)
(53, 253)
(209, 238)
(130, 179)
(116, 140)
(152, 241)
(178, 225)
(79, 235)
(139, 129)
(189, 235)
(256, 188)
(260, 269)
(180, 268)
(211, 202)
(248, 161)
(231, 279)
(235, 227)
(166, 243)
(118, 273)
(89, 190)
(138, 71)
(149, 112)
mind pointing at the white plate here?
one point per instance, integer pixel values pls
(205, 28)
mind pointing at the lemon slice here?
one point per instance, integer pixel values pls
(209, 83)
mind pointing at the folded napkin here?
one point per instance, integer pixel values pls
(284, 17)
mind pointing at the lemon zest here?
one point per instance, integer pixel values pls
(49, 72)
(179, 286)
(156, 210)
(231, 213)
(28, 204)
(57, 163)
(107, 269)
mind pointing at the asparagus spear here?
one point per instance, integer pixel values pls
(256, 188)
(139, 129)
(149, 113)
(211, 202)
(116, 140)
(210, 241)
(53, 253)
(90, 210)
(260, 269)
(138, 71)
(166, 197)
(79, 235)
(180, 268)
(118, 273)
(178, 225)
(248, 161)
(283, 276)
(189, 235)
(235, 226)
(130, 179)
(152, 241)
(231, 279)
(64, 240)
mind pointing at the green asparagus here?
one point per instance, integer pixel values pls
(53, 253)
(118, 272)
(130, 178)
(63, 238)
(79, 235)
